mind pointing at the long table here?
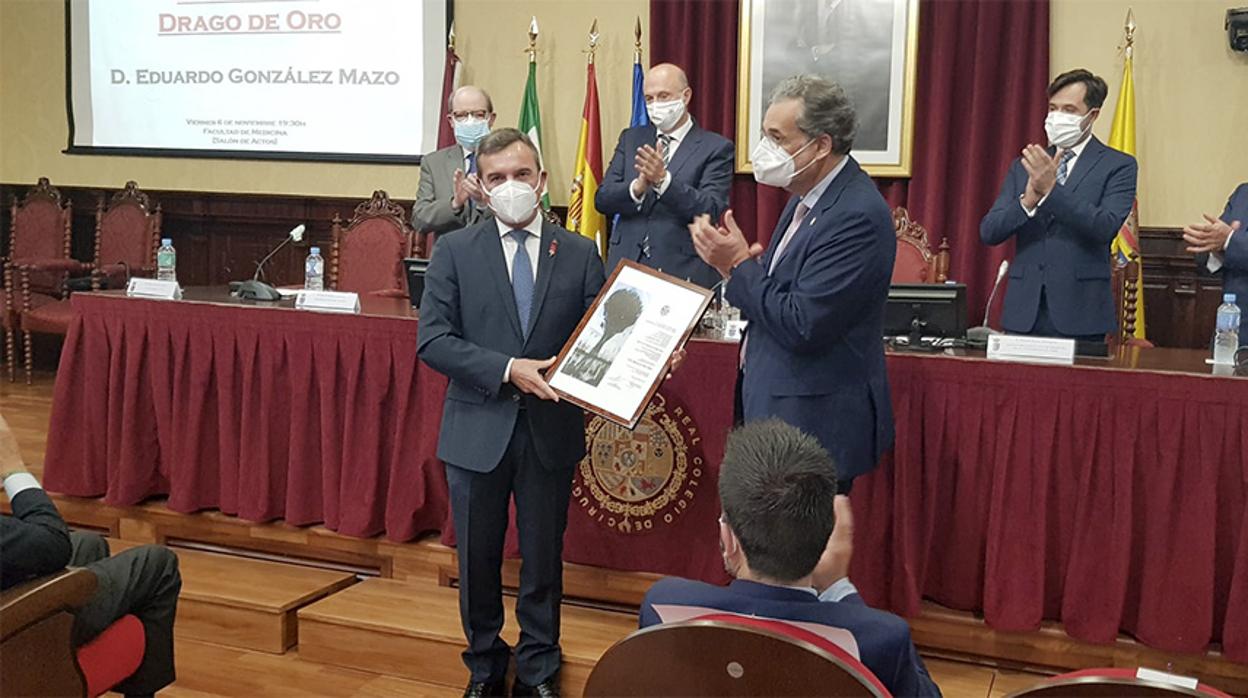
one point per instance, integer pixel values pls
(1110, 495)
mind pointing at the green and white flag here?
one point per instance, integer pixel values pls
(531, 119)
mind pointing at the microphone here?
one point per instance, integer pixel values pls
(254, 288)
(979, 335)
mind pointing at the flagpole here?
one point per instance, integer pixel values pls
(637, 41)
(532, 50)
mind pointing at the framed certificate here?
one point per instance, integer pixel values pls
(619, 353)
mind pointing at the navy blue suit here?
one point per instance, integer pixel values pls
(1063, 252)
(1235, 259)
(701, 172)
(815, 352)
(496, 441)
(883, 639)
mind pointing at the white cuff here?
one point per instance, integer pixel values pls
(1031, 212)
(18, 483)
(507, 373)
(839, 590)
(1214, 263)
(1227, 245)
(636, 199)
(667, 180)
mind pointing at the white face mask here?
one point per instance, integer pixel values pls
(773, 165)
(513, 201)
(665, 115)
(1064, 130)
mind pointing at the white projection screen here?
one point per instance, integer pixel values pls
(343, 80)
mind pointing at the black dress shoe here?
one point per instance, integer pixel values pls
(492, 689)
(546, 689)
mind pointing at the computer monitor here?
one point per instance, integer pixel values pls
(415, 268)
(926, 310)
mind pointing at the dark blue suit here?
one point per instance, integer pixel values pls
(884, 643)
(701, 172)
(1063, 252)
(815, 353)
(497, 442)
(1235, 259)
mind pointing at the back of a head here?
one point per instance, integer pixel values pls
(777, 486)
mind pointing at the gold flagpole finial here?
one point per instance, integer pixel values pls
(450, 36)
(532, 50)
(593, 40)
(637, 41)
(1129, 30)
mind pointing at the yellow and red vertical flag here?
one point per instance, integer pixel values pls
(1126, 246)
(583, 217)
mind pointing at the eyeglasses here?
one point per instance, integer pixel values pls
(463, 115)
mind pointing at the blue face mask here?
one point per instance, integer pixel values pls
(470, 131)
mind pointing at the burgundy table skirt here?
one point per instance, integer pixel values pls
(1110, 500)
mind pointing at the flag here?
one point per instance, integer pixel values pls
(531, 119)
(583, 217)
(1126, 246)
(640, 116)
(450, 83)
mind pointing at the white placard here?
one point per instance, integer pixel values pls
(154, 289)
(328, 301)
(734, 330)
(1036, 350)
(1167, 678)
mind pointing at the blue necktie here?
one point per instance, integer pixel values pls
(472, 163)
(522, 279)
(1062, 170)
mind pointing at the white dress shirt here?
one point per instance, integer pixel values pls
(18, 483)
(1216, 259)
(1077, 150)
(678, 136)
(532, 245)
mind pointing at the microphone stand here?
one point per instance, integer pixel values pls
(254, 288)
(978, 336)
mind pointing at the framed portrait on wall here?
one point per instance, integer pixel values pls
(869, 47)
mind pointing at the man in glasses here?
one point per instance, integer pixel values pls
(450, 196)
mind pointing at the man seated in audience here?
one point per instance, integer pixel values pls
(787, 538)
(144, 581)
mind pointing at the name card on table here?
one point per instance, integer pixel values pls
(154, 289)
(1167, 678)
(328, 301)
(1035, 350)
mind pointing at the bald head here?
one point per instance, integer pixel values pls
(667, 83)
(469, 98)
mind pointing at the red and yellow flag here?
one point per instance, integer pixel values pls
(1126, 245)
(583, 218)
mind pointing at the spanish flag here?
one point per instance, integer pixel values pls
(583, 218)
(1126, 246)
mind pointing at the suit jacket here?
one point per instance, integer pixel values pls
(1235, 259)
(1064, 250)
(432, 210)
(469, 328)
(884, 643)
(815, 353)
(701, 177)
(34, 541)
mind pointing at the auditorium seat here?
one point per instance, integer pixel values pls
(1104, 683)
(915, 263)
(366, 255)
(1125, 280)
(724, 654)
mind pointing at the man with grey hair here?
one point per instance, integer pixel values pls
(450, 196)
(812, 354)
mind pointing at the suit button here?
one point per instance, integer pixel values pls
(515, 397)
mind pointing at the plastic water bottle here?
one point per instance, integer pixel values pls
(166, 261)
(1226, 332)
(314, 271)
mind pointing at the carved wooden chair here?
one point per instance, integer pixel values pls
(1095, 683)
(126, 237)
(1127, 288)
(915, 263)
(366, 255)
(39, 264)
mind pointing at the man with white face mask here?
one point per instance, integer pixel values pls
(449, 195)
(813, 353)
(1063, 206)
(501, 299)
(661, 177)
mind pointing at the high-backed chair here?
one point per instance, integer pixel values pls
(915, 263)
(1127, 289)
(729, 655)
(126, 236)
(39, 239)
(366, 256)
(1097, 683)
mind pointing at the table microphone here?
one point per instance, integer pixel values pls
(979, 335)
(254, 288)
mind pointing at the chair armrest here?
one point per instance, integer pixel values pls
(66, 265)
(39, 598)
(389, 293)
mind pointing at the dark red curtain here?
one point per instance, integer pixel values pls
(982, 70)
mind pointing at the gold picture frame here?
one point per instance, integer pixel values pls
(894, 160)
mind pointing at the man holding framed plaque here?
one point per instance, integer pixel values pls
(812, 354)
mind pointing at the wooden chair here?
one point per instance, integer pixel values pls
(126, 237)
(36, 650)
(915, 263)
(366, 256)
(39, 239)
(728, 655)
(1125, 282)
(1095, 683)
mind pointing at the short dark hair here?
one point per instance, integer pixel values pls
(500, 139)
(776, 487)
(1095, 88)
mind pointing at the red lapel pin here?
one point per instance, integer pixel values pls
(554, 247)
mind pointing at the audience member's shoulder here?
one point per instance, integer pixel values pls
(1241, 194)
(678, 590)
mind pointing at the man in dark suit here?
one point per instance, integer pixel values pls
(787, 538)
(813, 353)
(449, 195)
(1063, 206)
(501, 298)
(143, 581)
(661, 177)
(1223, 248)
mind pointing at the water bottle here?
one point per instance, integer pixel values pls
(1226, 332)
(314, 271)
(166, 261)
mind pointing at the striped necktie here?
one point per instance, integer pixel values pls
(1063, 171)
